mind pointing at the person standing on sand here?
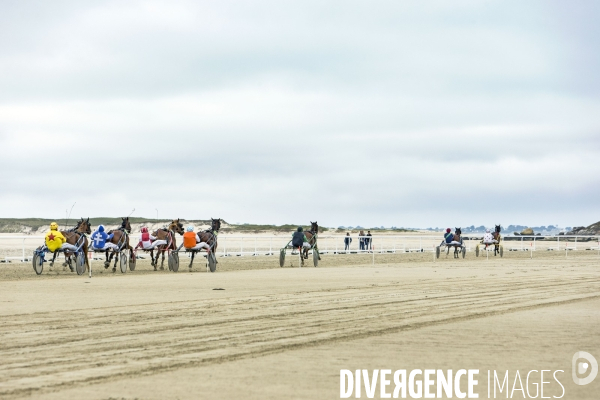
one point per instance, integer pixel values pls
(369, 241)
(361, 240)
(347, 241)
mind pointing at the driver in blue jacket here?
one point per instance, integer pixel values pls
(101, 240)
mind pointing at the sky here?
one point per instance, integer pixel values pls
(384, 113)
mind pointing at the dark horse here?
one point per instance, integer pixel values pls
(167, 234)
(497, 238)
(209, 237)
(76, 236)
(311, 236)
(457, 238)
(121, 239)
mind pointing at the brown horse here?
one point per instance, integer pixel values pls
(76, 237)
(121, 239)
(169, 235)
(311, 236)
(497, 238)
(209, 237)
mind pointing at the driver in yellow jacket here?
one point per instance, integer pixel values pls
(55, 240)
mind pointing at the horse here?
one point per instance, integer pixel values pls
(311, 236)
(74, 236)
(497, 238)
(209, 237)
(456, 238)
(167, 234)
(121, 239)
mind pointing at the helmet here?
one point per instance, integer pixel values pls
(144, 229)
(54, 226)
(189, 228)
(487, 231)
(448, 230)
(300, 229)
(100, 228)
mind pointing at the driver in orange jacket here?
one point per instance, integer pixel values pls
(192, 241)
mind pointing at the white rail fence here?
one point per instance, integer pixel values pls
(19, 248)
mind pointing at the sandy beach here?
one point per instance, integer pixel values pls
(286, 332)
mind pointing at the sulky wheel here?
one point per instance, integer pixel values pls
(477, 251)
(212, 261)
(464, 252)
(80, 263)
(38, 263)
(123, 261)
(174, 262)
(501, 250)
(281, 257)
(316, 257)
(437, 252)
(132, 261)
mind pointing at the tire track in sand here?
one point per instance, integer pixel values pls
(43, 352)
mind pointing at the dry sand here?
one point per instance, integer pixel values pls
(277, 333)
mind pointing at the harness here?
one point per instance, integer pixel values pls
(212, 239)
(80, 239)
(124, 236)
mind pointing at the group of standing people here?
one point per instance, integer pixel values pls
(365, 242)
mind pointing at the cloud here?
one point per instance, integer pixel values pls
(406, 114)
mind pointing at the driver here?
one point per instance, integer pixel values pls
(192, 241)
(149, 242)
(55, 240)
(299, 239)
(101, 240)
(488, 238)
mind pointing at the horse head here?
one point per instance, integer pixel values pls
(176, 226)
(314, 227)
(457, 232)
(84, 226)
(125, 225)
(498, 228)
(215, 224)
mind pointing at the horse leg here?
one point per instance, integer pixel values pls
(85, 255)
(108, 259)
(52, 262)
(162, 260)
(153, 263)
(67, 261)
(107, 262)
(192, 261)
(116, 261)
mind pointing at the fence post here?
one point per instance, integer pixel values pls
(531, 249)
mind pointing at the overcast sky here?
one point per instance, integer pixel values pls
(405, 113)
